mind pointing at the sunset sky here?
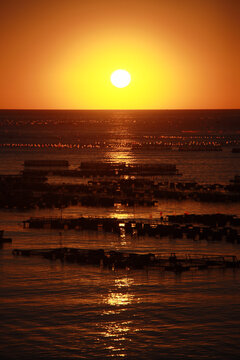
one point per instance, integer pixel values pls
(61, 54)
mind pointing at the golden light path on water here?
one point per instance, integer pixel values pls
(121, 152)
(116, 332)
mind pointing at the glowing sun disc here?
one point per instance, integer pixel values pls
(120, 78)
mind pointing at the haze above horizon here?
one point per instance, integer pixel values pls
(60, 55)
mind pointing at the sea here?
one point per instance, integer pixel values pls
(54, 310)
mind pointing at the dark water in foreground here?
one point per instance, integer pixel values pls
(50, 310)
(53, 311)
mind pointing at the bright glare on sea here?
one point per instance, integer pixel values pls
(51, 310)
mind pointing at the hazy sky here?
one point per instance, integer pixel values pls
(60, 54)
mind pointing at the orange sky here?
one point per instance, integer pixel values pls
(60, 54)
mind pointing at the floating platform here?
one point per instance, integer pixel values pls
(213, 231)
(47, 163)
(100, 167)
(117, 259)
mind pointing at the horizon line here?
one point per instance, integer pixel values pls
(165, 109)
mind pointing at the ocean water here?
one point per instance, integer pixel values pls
(50, 310)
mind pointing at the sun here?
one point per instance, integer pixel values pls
(120, 78)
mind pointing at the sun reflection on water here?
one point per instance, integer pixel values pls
(117, 331)
(122, 154)
(122, 151)
(119, 295)
(119, 299)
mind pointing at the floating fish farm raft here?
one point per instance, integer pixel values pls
(208, 227)
(116, 259)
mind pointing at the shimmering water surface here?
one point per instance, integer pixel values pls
(51, 310)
